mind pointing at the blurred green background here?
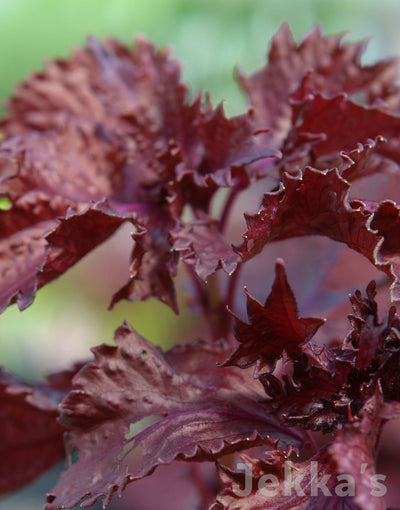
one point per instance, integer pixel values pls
(210, 37)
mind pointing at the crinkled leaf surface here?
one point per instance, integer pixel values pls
(74, 236)
(274, 328)
(326, 386)
(153, 262)
(332, 68)
(104, 81)
(114, 123)
(22, 245)
(309, 396)
(49, 175)
(364, 161)
(368, 334)
(386, 222)
(324, 127)
(317, 203)
(75, 162)
(224, 158)
(201, 412)
(201, 244)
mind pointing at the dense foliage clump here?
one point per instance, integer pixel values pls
(111, 136)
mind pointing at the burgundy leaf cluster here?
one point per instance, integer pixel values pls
(111, 136)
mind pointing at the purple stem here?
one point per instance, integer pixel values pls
(228, 206)
(202, 299)
(214, 312)
(230, 295)
(199, 288)
(231, 291)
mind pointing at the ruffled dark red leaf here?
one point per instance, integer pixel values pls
(274, 328)
(323, 128)
(368, 335)
(153, 261)
(224, 158)
(386, 222)
(74, 236)
(364, 161)
(44, 177)
(201, 244)
(105, 80)
(75, 162)
(309, 396)
(331, 68)
(199, 411)
(317, 203)
(23, 247)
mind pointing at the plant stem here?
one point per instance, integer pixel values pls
(231, 291)
(228, 206)
(214, 309)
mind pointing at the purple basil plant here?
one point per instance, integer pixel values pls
(257, 410)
